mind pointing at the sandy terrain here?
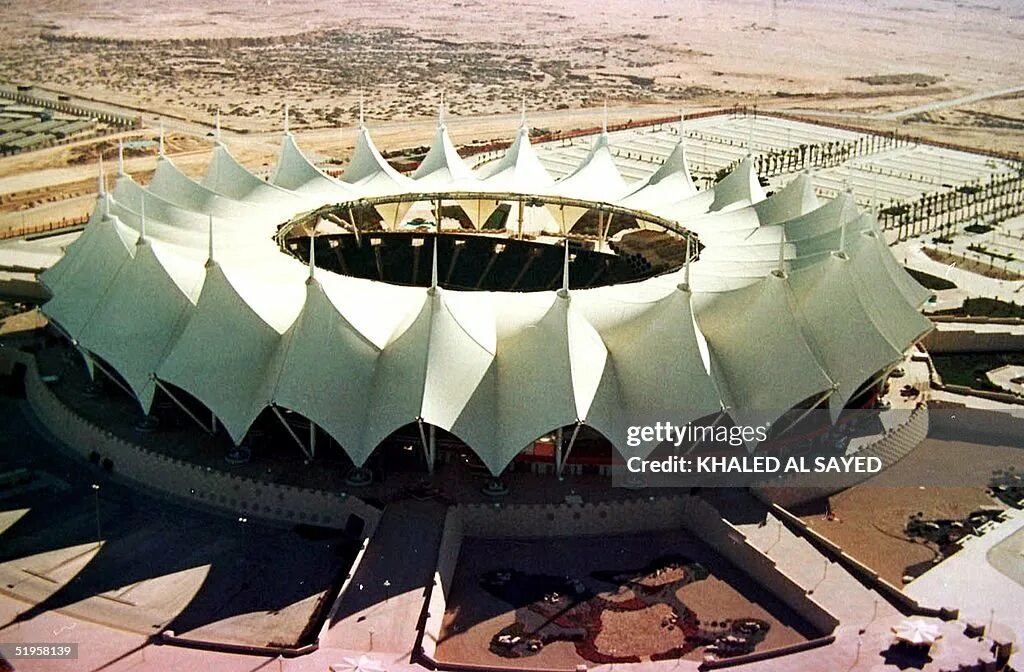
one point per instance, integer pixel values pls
(181, 61)
(187, 58)
(872, 516)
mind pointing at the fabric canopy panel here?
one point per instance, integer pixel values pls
(892, 314)
(175, 187)
(226, 176)
(392, 214)
(660, 344)
(361, 358)
(848, 343)
(741, 186)
(548, 372)
(222, 355)
(297, 173)
(442, 167)
(597, 178)
(564, 216)
(130, 199)
(432, 369)
(794, 200)
(324, 370)
(141, 316)
(765, 363)
(108, 247)
(370, 173)
(460, 361)
(54, 277)
(519, 171)
(478, 210)
(670, 183)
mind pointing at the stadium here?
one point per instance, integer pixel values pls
(431, 383)
(495, 311)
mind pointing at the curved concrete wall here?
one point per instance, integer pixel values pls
(269, 501)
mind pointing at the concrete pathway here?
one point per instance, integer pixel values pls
(985, 578)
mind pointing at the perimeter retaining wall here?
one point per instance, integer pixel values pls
(955, 337)
(859, 570)
(203, 485)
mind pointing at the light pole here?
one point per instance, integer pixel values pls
(96, 499)
(387, 590)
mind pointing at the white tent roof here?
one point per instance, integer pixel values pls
(847, 343)
(370, 173)
(549, 364)
(671, 183)
(297, 173)
(597, 178)
(795, 199)
(226, 176)
(706, 210)
(433, 367)
(497, 369)
(739, 187)
(520, 170)
(141, 315)
(223, 367)
(442, 167)
(323, 369)
(893, 315)
(917, 631)
(660, 343)
(75, 254)
(91, 270)
(764, 360)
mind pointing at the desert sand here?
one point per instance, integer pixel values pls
(862, 63)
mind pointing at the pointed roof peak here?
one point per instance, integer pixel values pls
(433, 269)
(362, 118)
(101, 181)
(685, 284)
(312, 256)
(781, 270)
(216, 125)
(210, 262)
(604, 119)
(142, 221)
(522, 115)
(441, 123)
(563, 293)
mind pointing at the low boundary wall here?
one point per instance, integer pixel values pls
(959, 337)
(202, 485)
(859, 570)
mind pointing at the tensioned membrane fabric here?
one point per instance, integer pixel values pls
(183, 282)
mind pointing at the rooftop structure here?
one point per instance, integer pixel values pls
(782, 302)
